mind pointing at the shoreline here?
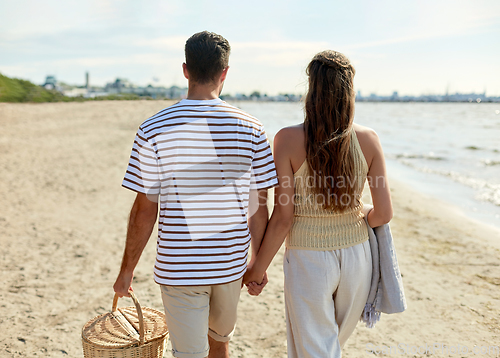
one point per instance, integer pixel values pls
(442, 210)
(63, 227)
(430, 185)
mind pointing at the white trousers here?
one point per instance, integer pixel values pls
(325, 294)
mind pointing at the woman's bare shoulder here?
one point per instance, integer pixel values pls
(291, 134)
(369, 142)
(289, 144)
(363, 130)
(366, 135)
(290, 131)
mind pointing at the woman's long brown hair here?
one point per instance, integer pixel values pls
(329, 112)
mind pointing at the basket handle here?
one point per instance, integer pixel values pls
(139, 313)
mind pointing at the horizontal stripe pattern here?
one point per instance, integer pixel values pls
(201, 159)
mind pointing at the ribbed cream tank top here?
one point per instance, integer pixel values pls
(315, 228)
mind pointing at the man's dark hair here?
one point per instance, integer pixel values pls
(207, 55)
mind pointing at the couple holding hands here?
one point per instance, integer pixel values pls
(206, 167)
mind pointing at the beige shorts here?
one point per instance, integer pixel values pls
(195, 312)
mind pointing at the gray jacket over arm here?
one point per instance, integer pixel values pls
(386, 291)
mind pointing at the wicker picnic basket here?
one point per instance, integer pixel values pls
(126, 332)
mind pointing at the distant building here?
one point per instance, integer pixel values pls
(120, 85)
(50, 82)
(124, 86)
(457, 97)
(177, 92)
(76, 92)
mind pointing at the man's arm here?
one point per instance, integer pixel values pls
(258, 217)
(141, 222)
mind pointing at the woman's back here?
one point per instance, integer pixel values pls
(368, 147)
(314, 226)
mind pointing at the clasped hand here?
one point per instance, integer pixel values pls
(254, 281)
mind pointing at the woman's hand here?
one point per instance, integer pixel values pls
(254, 280)
(254, 288)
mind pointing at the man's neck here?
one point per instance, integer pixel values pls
(202, 92)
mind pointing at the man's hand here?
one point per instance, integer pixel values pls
(252, 275)
(123, 284)
(254, 280)
(254, 288)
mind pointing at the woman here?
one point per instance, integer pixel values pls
(322, 166)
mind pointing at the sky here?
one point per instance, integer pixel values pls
(413, 47)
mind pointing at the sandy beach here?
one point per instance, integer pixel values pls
(62, 228)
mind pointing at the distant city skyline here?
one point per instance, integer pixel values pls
(414, 48)
(122, 85)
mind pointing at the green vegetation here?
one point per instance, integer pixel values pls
(16, 90)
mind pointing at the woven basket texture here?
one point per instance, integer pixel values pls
(117, 334)
(153, 349)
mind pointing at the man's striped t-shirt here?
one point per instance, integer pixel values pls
(200, 159)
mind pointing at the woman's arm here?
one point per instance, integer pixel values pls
(379, 187)
(282, 217)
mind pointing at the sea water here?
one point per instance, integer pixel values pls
(447, 150)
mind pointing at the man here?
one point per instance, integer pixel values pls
(209, 165)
